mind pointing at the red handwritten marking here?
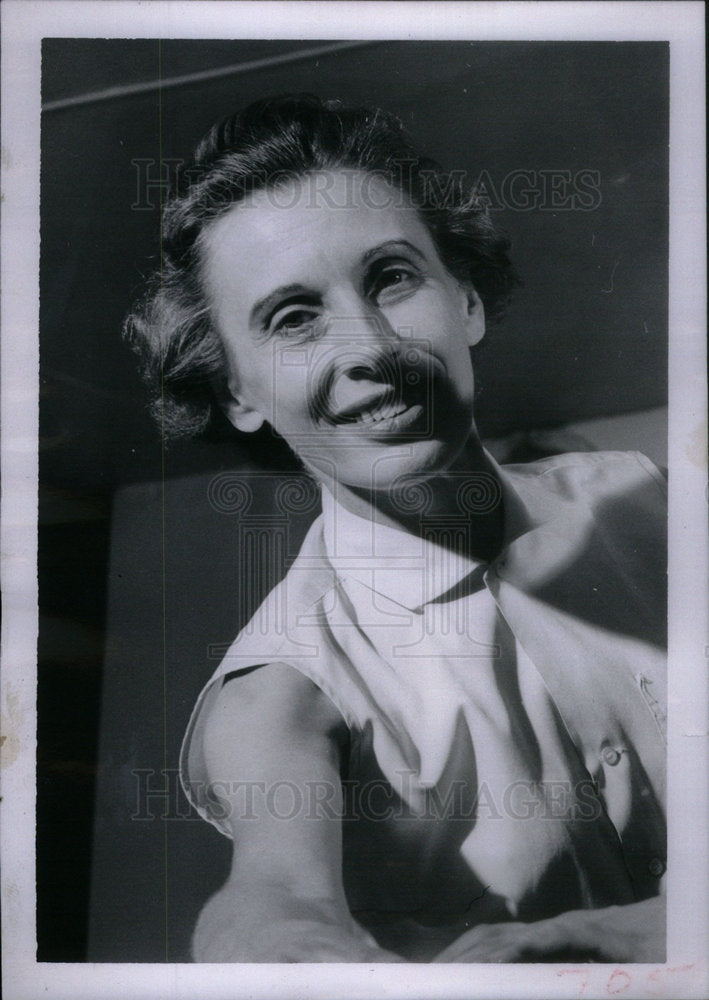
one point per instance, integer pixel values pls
(574, 972)
(656, 976)
(620, 980)
(624, 986)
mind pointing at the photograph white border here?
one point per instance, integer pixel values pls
(24, 23)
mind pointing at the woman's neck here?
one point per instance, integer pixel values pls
(460, 508)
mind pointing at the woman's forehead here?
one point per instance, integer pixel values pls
(337, 190)
(328, 214)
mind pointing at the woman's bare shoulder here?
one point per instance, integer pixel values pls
(269, 708)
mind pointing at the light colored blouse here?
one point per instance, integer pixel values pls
(506, 720)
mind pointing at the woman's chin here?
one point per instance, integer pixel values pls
(361, 470)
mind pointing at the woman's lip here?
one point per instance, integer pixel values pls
(366, 410)
(389, 425)
(354, 414)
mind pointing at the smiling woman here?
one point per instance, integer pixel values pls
(441, 736)
(260, 150)
(382, 330)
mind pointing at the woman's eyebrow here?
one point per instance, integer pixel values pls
(389, 246)
(264, 306)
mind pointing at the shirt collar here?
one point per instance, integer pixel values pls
(403, 567)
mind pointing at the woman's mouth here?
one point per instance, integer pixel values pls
(380, 414)
(391, 422)
(376, 414)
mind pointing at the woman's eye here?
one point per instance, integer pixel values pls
(294, 322)
(391, 280)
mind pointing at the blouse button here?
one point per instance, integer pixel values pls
(656, 867)
(610, 756)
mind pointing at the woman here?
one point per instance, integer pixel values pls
(440, 738)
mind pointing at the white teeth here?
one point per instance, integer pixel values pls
(374, 416)
(383, 413)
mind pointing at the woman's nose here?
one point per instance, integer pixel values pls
(365, 328)
(366, 350)
(356, 361)
(362, 344)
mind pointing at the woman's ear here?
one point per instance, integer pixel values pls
(475, 316)
(242, 416)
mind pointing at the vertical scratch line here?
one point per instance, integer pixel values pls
(163, 518)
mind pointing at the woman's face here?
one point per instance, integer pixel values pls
(343, 329)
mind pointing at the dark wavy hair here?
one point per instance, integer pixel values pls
(171, 328)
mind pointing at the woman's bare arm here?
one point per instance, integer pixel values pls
(272, 747)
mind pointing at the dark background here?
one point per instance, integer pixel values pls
(138, 571)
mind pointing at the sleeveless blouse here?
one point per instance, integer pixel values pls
(507, 752)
